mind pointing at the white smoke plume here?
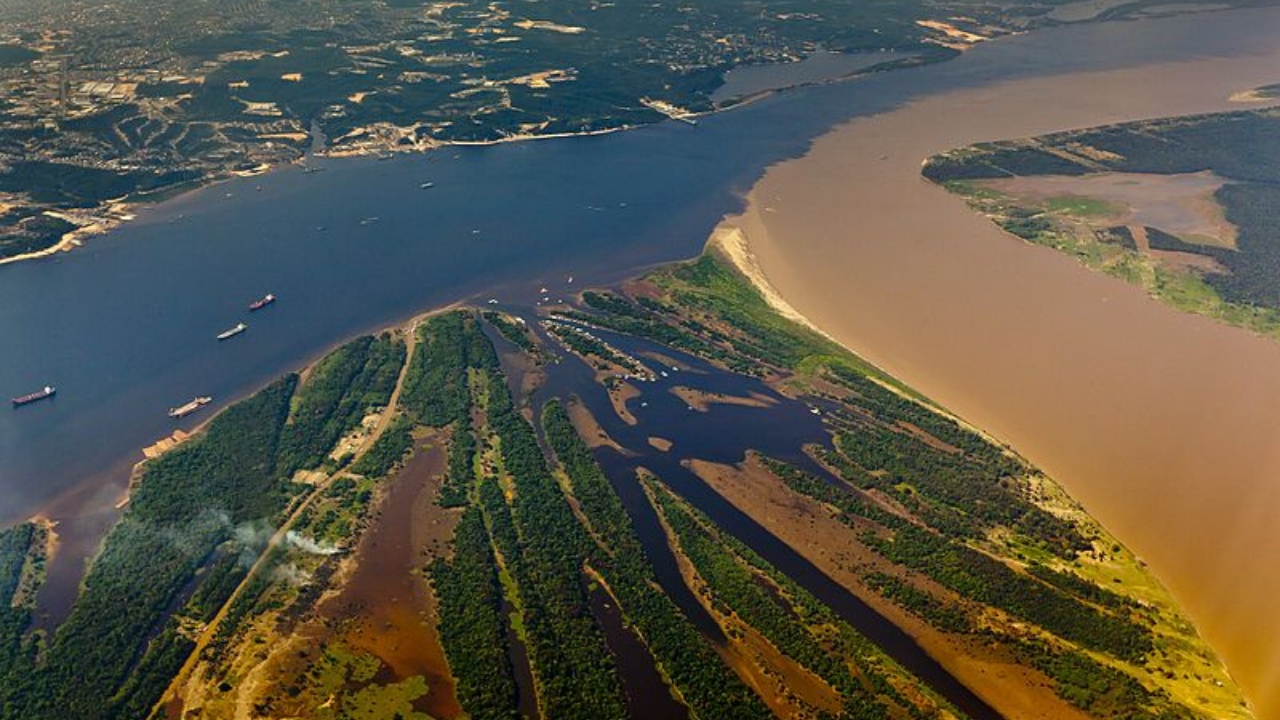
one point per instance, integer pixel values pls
(292, 574)
(307, 545)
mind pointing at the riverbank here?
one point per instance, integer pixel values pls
(109, 216)
(89, 510)
(1075, 372)
(234, 641)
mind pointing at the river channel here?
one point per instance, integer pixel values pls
(1165, 426)
(125, 327)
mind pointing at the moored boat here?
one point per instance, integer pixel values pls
(47, 391)
(239, 328)
(261, 303)
(185, 410)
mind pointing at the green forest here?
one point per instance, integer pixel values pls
(200, 551)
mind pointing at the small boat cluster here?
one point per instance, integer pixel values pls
(48, 391)
(198, 402)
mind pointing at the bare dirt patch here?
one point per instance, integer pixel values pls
(660, 444)
(702, 401)
(666, 360)
(1182, 205)
(619, 394)
(589, 428)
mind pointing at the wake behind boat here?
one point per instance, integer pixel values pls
(184, 410)
(239, 328)
(47, 392)
(261, 303)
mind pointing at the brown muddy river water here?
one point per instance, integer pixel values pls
(1166, 426)
(387, 596)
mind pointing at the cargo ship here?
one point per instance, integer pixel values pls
(259, 304)
(185, 410)
(239, 328)
(47, 392)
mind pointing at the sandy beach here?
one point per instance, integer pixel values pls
(1163, 425)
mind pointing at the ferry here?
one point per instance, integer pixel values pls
(185, 410)
(239, 328)
(261, 303)
(47, 392)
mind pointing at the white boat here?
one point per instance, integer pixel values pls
(262, 302)
(239, 328)
(185, 410)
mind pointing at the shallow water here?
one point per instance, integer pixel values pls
(1182, 205)
(724, 434)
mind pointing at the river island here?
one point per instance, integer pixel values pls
(635, 487)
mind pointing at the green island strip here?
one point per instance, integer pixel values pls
(686, 659)
(1225, 266)
(802, 628)
(23, 551)
(574, 668)
(474, 635)
(512, 329)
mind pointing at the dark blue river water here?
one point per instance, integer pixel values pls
(125, 327)
(725, 434)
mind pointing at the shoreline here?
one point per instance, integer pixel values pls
(89, 509)
(167, 443)
(439, 309)
(815, 254)
(107, 221)
(940, 646)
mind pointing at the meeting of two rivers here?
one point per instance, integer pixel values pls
(112, 321)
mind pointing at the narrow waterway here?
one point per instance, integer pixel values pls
(725, 434)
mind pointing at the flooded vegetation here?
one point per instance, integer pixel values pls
(666, 498)
(466, 516)
(384, 606)
(1194, 227)
(1182, 204)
